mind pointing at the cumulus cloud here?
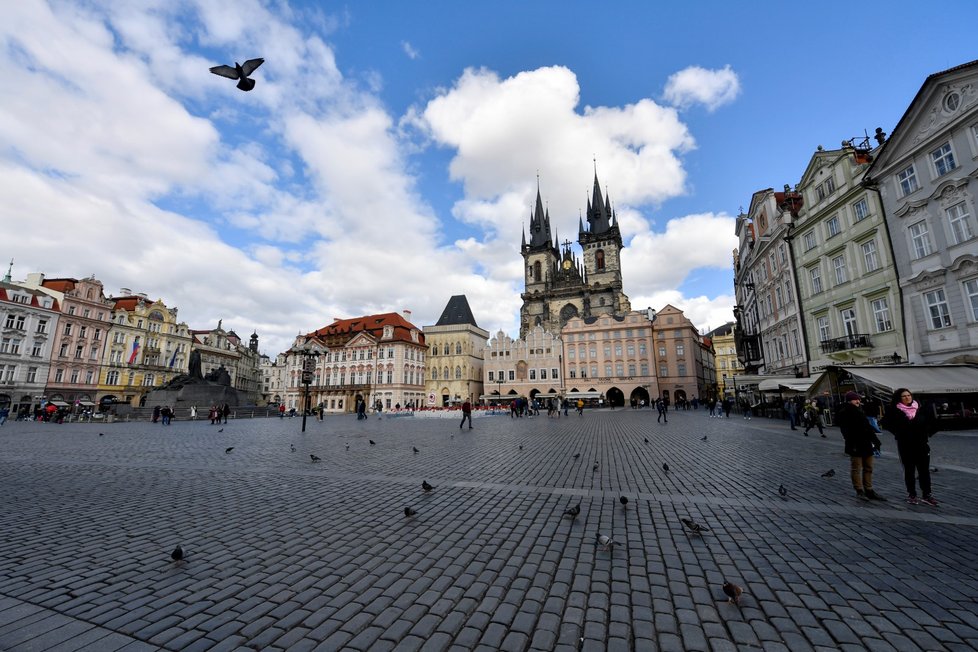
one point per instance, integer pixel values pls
(696, 85)
(411, 52)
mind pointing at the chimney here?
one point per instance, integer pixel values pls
(407, 315)
(126, 292)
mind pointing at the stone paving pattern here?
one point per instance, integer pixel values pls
(287, 554)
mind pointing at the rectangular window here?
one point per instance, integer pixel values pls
(59, 375)
(937, 309)
(67, 330)
(663, 370)
(816, 276)
(662, 351)
(881, 313)
(607, 370)
(36, 350)
(512, 375)
(783, 253)
(841, 273)
(823, 329)
(533, 374)
(554, 375)
(682, 369)
(571, 354)
(680, 349)
(74, 376)
(943, 159)
(631, 368)
(641, 348)
(848, 316)
(870, 258)
(644, 367)
(617, 349)
(971, 292)
(907, 178)
(860, 210)
(810, 242)
(960, 222)
(491, 379)
(920, 239)
(832, 227)
(32, 374)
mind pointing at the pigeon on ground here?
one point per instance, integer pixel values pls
(703, 438)
(314, 458)
(732, 591)
(934, 469)
(595, 467)
(347, 447)
(101, 434)
(415, 449)
(240, 71)
(228, 449)
(665, 467)
(573, 511)
(521, 446)
(605, 541)
(782, 491)
(372, 442)
(646, 440)
(623, 500)
(292, 447)
(427, 487)
(694, 527)
(576, 455)
(177, 553)
(828, 474)
(409, 512)
(221, 430)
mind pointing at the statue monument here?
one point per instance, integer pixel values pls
(195, 388)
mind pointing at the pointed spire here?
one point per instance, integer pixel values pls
(10, 269)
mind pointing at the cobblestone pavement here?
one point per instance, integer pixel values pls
(287, 554)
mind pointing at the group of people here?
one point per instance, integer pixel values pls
(910, 423)
(164, 413)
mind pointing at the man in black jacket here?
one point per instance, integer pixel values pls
(861, 442)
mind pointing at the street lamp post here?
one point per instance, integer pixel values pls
(310, 350)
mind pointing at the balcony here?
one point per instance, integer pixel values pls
(846, 344)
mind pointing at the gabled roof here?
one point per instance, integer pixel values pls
(457, 311)
(5, 294)
(341, 330)
(897, 132)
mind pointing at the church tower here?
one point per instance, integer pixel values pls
(558, 286)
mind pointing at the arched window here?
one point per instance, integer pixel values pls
(536, 271)
(434, 349)
(458, 373)
(599, 259)
(446, 376)
(434, 374)
(112, 378)
(458, 348)
(445, 349)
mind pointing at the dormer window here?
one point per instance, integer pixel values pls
(414, 335)
(388, 332)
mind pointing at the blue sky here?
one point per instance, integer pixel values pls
(388, 156)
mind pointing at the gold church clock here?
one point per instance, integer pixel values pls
(567, 264)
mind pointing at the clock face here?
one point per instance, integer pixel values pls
(567, 264)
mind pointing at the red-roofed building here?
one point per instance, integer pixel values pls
(378, 358)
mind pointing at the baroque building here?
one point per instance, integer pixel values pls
(147, 347)
(927, 177)
(529, 366)
(28, 329)
(456, 346)
(557, 285)
(83, 330)
(726, 364)
(683, 360)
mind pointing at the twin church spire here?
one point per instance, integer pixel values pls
(601, 218)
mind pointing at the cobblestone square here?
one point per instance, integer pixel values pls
(283, 553)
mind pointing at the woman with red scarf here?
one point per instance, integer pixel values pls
(912, 426)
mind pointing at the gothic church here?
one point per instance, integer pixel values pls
(558, 285)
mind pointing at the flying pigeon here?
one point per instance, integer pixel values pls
(177, 553)
(372, 442)
(733, 592)
(829, 473)
(292, 447)
(415, 449)
(694, 527)
(573, 511)
(240, 71)
(782, 490)
(623, 500)
(409, 512)
(228, 449)
(314, 458)
(427, 487)
(605, 541)
(665, 467)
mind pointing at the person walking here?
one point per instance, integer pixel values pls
(193, 412)
(812, 418)
(4, 413)
(661, 407)
(225, 412)
(792, 410)
(156, 413)
(580, 407)
(466, 414)
(913, 426)
(861, 444)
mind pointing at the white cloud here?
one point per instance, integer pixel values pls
(411, 52)
(696, 85)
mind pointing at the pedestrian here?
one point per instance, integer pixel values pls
(580, 407)
(792, 411)
(156, 413)
(466, 414)
(813, 419)
(913, 426)
(225, 411)
(4, 413)
(861, 444)
(193, 412)
(281, 410)
(746, 409)
(212, 414)
(662, 407)
(165, 414)
(728, 406)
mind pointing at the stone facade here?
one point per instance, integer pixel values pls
(456, 346)
(525, 367)
(926, 176)
(558, 286)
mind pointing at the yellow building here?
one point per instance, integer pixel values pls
(727, 364)
(456, 348)
(147, 347)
